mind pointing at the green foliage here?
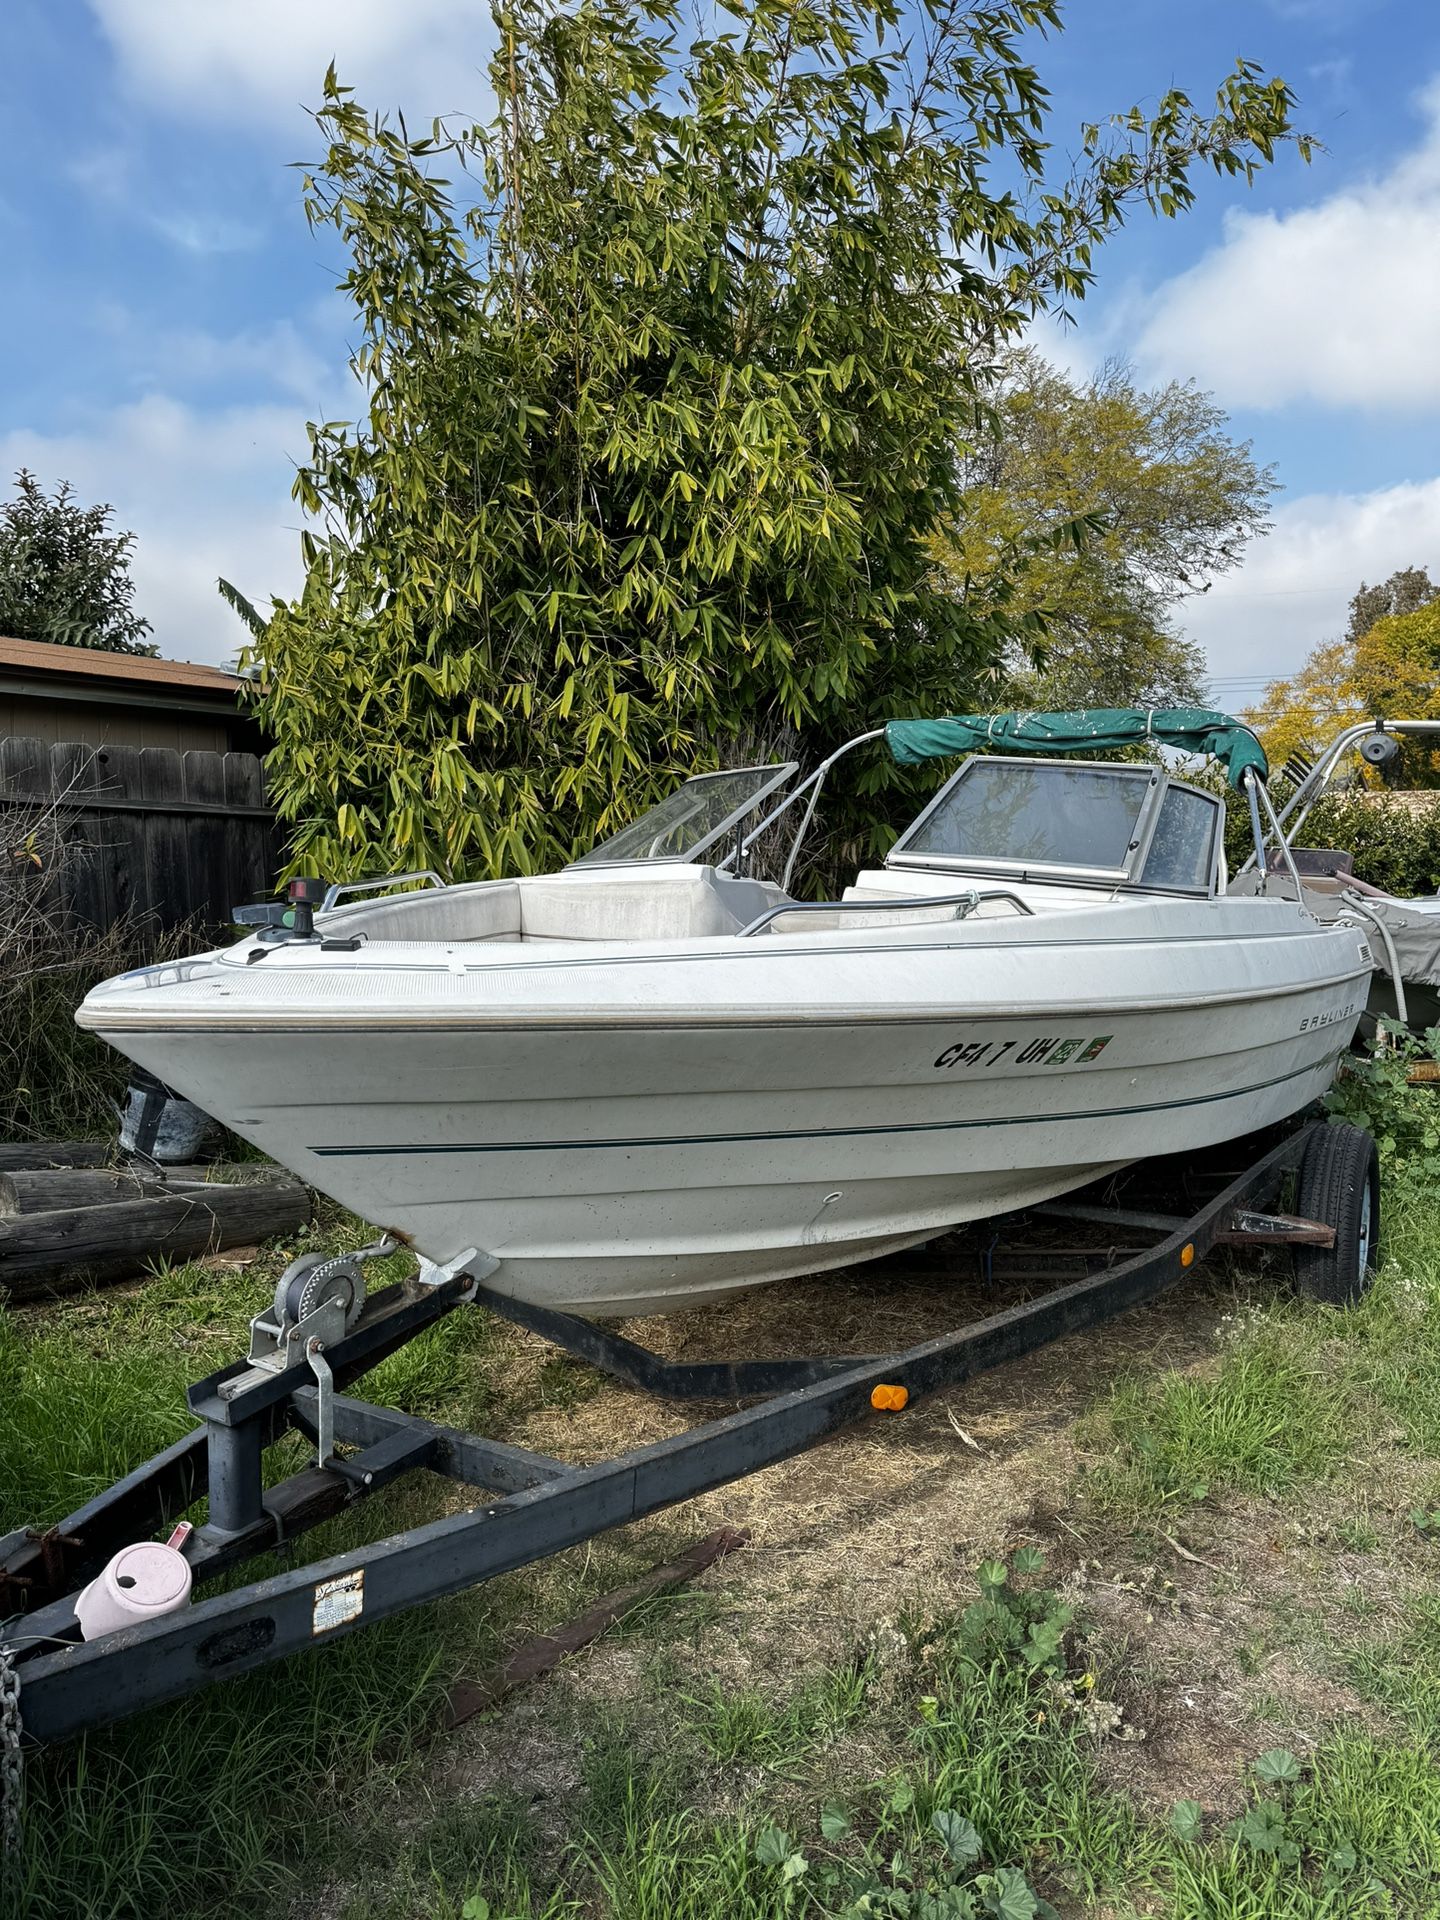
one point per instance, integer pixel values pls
(1265, 1420)
(1385, 665)
(1010, 1621)
(1396, 847)
(1404, 591)
(1174, 502)
(666, 398)
(1374, 1092)
(244, 610)
(65, 574)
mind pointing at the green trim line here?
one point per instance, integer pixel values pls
(811, 1133)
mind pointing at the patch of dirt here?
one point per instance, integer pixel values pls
(1231, 1639)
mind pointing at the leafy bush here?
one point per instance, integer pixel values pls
(1395, 847)
(1374, 1092)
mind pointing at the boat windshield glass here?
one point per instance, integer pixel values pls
(1019, 813)
(1182, 853)
(693, 818)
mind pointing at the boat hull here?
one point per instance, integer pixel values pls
(637, 1165)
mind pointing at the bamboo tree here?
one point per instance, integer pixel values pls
(671, 370)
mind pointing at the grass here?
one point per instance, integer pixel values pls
(744, 1726)
(1356, 1832)
(1296, 1394)
(313, 1786)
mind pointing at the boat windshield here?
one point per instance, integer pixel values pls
(693, 818)
(1033, 814)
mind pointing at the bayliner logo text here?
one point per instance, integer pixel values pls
(1331, 1019)
(1048, 1050)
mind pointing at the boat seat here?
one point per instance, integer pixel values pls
(676, 903)
(489, 910)
(625, 903)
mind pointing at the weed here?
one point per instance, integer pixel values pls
(1402, 1672)
(1374, 1092)
(1356, 1536)
(743, 1726)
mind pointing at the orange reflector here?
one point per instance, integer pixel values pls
(1187, 1254)
(887, 1399)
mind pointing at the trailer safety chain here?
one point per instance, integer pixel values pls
(11, 1765)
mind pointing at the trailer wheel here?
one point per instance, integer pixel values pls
(1339, 1184)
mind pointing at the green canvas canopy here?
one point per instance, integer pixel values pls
(1093, 730)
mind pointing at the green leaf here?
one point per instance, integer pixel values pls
(772, 1846)
(1278, 1767)
(1027, 1560)
(793, 1867)
(477, 1907)
(1186, 1820)
(1007, 1896)
(962, 1842)
(1263, 1827)
(992, 1575)
(834, 1821)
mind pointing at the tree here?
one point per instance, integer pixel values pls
(1388, 665)
(1407, 589)
(65, 574)
(668, 390)
(1164, 501)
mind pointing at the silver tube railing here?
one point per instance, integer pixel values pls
(965, 904)
(1296, 811)
(811, 784)
(1355, 905)
(332, 894)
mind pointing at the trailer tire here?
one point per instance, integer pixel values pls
(1339, 1184)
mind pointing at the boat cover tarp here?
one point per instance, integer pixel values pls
(1092, 730)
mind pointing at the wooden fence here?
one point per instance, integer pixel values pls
(159, 834)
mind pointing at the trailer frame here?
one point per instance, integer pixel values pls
(532, 1505)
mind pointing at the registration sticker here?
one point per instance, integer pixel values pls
(1048, 1050)
(338, 1602)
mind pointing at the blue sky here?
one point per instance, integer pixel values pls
(169, 324)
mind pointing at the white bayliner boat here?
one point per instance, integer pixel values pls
(650, 1080)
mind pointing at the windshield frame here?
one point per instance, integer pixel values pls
(1125, 874)
(780, 770)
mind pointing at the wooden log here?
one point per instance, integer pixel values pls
(123, 1236)
(50, 1190)
(24, 1154)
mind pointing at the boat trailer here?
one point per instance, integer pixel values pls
(318, 1341)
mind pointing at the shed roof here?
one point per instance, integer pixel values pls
(41, 659)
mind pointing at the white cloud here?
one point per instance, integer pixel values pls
(1295, 586)
(205, 491)
(263, 60)
(1334, 303)
(307, 362)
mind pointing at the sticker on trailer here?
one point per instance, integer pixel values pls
(338, 1602)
